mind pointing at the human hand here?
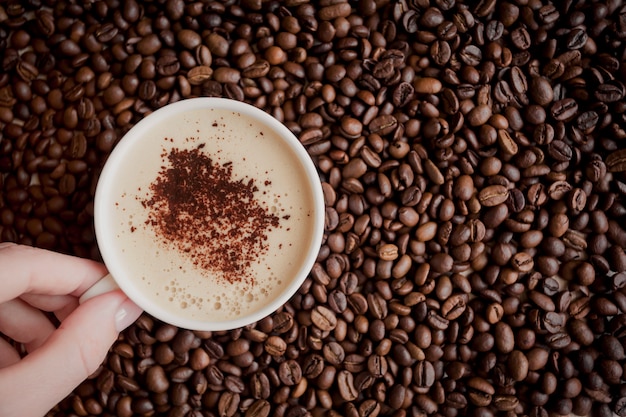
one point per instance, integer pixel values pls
(58, 359)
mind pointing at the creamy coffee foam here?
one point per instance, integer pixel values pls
(186, 276)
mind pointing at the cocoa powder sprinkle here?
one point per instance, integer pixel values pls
(209, 216)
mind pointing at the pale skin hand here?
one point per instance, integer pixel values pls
(58, 359)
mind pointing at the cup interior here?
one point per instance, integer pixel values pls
(121, 167)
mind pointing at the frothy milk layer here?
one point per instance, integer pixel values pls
(167, 275)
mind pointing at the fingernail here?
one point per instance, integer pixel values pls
(126, 315)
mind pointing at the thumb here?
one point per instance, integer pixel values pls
(73, 352)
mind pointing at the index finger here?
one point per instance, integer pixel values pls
(28, 270)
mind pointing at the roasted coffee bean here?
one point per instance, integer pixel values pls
(228, 404)
(480, 391)
(345, 384)
(518, 365)
(167, 65)
(616, 161)
(609, 92)
(156, 379)
(259, 386)
(424, 374)
(226, 75)
(493, 195)
(334, 353)
(275, 346)
(313, 366)
(259, 408)
(377, 365)
(565, 109)
(383, 124)
(290, 372)
(199, 74)
(454, 306)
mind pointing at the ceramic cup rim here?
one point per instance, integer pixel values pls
(106, 238)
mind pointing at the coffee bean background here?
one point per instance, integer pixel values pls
(472, 156)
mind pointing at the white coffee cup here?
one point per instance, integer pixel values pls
(128, 255)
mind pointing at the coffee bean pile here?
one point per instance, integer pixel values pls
(472, 156)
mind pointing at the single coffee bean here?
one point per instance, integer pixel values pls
(335, 11)
(377, 365)
(480, 391)
(522, 262)
(167, 65)
(454, 306)
(609, 92)
(148, 45)
(156, 379)
(226, 75)
(507, 143)
(504, 337)
(334, 353)
(290, 372)
(377, 306)
(616, 161)
(313, 366)
(228, 404)
(427, 85)
(282, 322)
(564, 110)
(424, 374)
(521, 38)
(259, 408)
(479, 115)
(345, 384)
(505, 402)
(259, 386)
(441, 262)
(493, 195)
(199, 74)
